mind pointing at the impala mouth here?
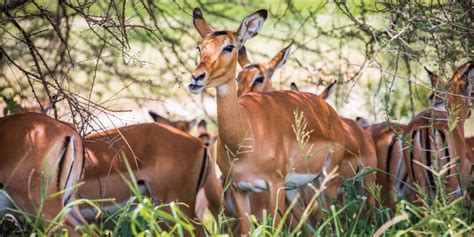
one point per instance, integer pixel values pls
(195, 89)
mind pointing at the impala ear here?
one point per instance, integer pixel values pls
(434, 79)
(328, 90)
(200, 24)
(293, 87)
(362, 122)
(436, 98)
(280, 58)
(158, 118)
(202, 127)
(251, 25)
(243, 58)
(192, 123)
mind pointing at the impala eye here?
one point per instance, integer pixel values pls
(198, 49)
(258, 80)
(228, 48)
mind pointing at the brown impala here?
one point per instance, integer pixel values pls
(257, 145)
(168, 164)
(392, 175)
(32, 143)
(210, 195)
(436, 139)
(360, 152)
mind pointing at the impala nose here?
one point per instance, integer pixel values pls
(199, 79)
(197, 83)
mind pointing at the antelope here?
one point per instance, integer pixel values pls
(257, 145)
(392, 175)
(210, 196)
(182, 125)
(31, 144)
(430, 144)
(438, 101)
(360, 151)
(168, 164)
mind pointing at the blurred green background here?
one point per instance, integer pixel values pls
(103, 56)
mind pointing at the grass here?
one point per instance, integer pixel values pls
(142, 217)
(434, 215)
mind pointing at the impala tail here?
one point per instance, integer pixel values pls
(71, 165)
(204, 171)
(397, 173)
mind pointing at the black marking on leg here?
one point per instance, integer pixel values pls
(404, 180)
(389, 154)
(202, 172)
(428, 158)
(446, 151)
(411, 153)
(61, 160)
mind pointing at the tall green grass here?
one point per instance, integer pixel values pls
(142, 217)
(435, 215)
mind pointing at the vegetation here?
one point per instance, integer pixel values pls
(86, 57)
(140, 216)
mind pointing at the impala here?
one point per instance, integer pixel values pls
(168, 164)
(31, 144)
(436, 140)
(257, 145)
(360, 152)
(209, 196)
(392, 175)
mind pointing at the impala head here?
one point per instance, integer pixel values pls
(462, 84)
(219, 50)
(182, 125)
(204, 135)
(257, 77)
(436, 97)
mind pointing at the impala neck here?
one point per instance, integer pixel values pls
(233, 126)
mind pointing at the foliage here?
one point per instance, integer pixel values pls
(91, 53)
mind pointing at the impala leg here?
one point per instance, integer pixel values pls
(277, 201)
(369, 183)
(297, 211)
(213, 190)
(330, 193)
(242, 206)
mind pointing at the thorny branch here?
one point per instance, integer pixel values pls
(78, 53)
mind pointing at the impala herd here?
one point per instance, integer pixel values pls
(258, 152)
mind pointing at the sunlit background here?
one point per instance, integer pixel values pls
(110, 66)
